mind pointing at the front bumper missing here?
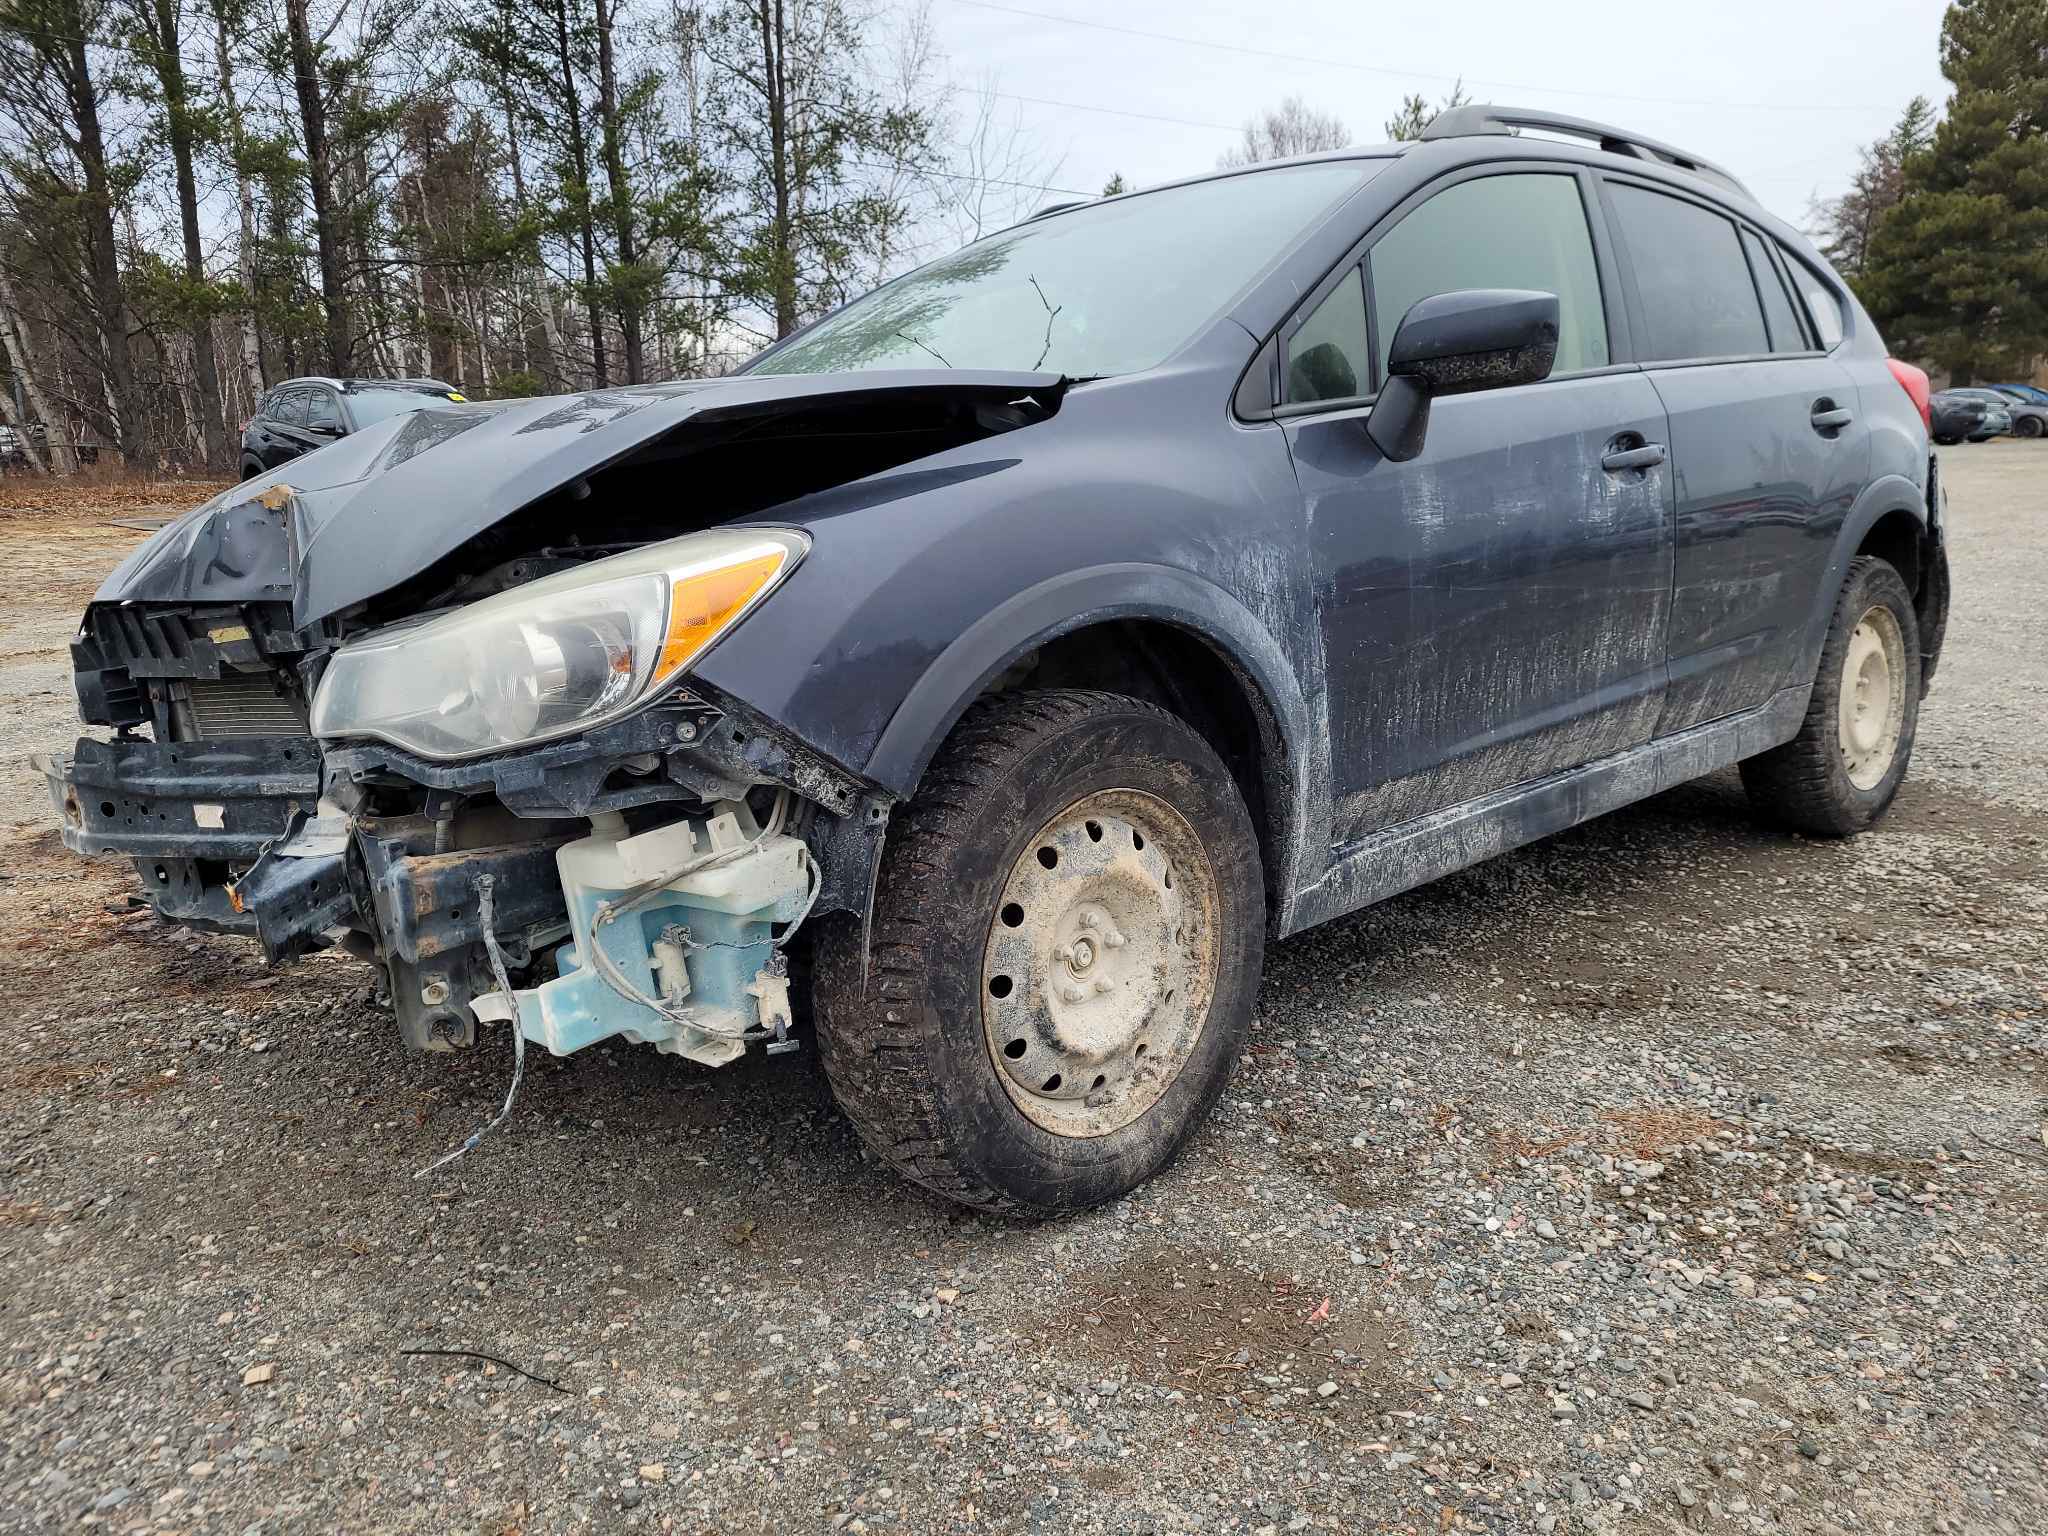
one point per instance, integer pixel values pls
(232, 837)
(198, 819)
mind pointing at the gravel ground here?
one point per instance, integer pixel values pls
(1671, 1174)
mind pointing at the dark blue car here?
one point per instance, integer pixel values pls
(1016, 651)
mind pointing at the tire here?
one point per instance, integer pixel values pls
(2027, 426)
(1021, 909)
(1837, 775)
(251, 468)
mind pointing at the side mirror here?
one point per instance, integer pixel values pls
(1452, 344)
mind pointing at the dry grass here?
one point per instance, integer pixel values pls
(93, 497)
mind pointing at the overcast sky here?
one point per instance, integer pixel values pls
(1781, 92)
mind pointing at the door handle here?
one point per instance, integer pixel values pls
(1829, 417)
(1646, 456)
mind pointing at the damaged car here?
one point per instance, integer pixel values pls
(977, 681)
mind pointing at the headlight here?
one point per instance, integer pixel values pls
(555, 656)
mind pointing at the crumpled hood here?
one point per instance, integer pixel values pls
(355, 519)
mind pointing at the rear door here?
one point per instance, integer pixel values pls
(1493, 609)
(1765, 439)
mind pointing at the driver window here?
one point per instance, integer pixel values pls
(1521, 230)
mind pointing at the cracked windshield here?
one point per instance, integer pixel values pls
(1108, 289)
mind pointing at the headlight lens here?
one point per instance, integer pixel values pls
(558, 655)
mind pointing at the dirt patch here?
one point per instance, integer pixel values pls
(1195, 1322)
(1644, 1132)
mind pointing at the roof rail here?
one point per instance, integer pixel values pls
(1472, 121)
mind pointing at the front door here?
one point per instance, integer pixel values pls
(1494, 609)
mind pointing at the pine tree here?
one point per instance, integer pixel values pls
(1416, 114)
(1957, 273)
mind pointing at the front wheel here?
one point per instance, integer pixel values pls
(1840, 772)
(2028, 426)
(1067, 937)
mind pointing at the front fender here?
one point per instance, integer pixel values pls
(1072, 601)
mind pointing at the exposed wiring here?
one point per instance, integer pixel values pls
(485, 914)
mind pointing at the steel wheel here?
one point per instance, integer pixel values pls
(1872, 704)
(1101, 963)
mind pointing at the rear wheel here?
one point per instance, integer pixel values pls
(1845, 765)
(251, 468)
(2028, 426)
(1068, 933)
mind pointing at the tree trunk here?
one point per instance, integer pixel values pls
(629, 297)
(775, 84)
(579, 157)
(170, 71)
(21, 361)
(110, 302)
(245, 203)
(320, 182)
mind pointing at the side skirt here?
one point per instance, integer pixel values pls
(1415, 852)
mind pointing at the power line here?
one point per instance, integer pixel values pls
(1150, 117)
(987, 181)
(1405, 74)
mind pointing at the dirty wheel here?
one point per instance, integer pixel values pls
(1845, 765)
(1068, 932)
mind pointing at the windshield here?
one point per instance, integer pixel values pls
(1112, 288)
(370, 405)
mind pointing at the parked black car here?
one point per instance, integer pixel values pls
(1955, 417)
(300, 415)
(1038, 636)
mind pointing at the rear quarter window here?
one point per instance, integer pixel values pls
(1821, 302)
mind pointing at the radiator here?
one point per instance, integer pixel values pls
(244, 704)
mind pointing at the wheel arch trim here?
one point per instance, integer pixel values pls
(1878, 500)
(1103, 594)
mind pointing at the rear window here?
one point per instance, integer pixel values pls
(289, 407)
(1693, 280)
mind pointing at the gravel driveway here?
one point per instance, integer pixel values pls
(1672, 1174)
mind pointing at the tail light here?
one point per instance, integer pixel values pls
(1914, 382)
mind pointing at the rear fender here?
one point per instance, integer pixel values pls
(1883, 496)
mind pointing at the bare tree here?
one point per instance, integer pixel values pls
(1292, 128)
(59, 174)
(998, 173)
(21, 362)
